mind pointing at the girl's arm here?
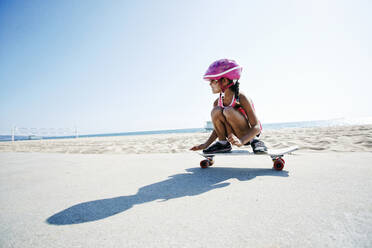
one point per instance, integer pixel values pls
(210, 140)
(252, 119)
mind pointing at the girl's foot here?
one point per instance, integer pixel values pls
(258, 146)
(218, 147)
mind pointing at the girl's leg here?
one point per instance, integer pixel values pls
(238, 123)
(221, 126)
(241, 127)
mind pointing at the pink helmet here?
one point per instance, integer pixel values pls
(223, 68)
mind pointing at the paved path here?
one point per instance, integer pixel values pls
(166, 200)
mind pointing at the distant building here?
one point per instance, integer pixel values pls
(209, 126)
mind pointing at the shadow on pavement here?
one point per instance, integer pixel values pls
(195, 182)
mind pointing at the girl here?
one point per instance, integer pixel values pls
(233, 115)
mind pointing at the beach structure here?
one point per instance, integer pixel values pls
(209, 126)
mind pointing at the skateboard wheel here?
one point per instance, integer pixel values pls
(211, 161)
(279, 164)
(204, 163)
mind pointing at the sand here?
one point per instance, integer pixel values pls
(138, 192)
(335, 139)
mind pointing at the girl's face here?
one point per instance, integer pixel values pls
(215, 86)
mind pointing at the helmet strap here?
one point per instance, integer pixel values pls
(224, 88)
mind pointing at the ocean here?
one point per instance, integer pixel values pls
(265, 126)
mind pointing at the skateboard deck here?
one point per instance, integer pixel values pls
(275, 154)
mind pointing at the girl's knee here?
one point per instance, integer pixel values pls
(216, 112)
(228, 112)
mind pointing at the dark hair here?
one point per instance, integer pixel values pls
(235, 89)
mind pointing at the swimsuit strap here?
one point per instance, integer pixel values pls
(220, 101)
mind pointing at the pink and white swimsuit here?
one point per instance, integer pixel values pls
(233, 104)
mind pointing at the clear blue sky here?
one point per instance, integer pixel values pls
(115, 66)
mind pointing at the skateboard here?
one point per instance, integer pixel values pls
(275, 154)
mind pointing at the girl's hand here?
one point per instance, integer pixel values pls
(199, 147)
(234, 140)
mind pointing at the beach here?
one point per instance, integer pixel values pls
(149, 191)
(334, 139)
